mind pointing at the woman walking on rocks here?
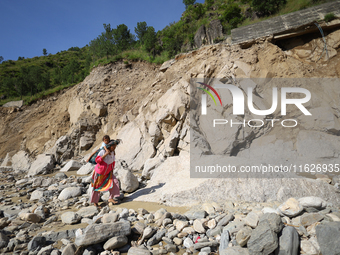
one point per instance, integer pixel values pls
(102, 177)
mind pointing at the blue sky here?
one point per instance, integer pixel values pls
(28, 26)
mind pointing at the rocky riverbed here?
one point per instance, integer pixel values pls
(51, 215)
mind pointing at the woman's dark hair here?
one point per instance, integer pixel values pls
(113, 142)
(106, 137)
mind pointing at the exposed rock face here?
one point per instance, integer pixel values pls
(206, 35)
(152, 119)
(42, 165)
(20, 161)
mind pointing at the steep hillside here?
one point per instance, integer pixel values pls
(149, 110)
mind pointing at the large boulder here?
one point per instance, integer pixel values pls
(86, 169)
(70, 218)
(172, 184)
(72, 165)
(328, 234)
(98, 233)
(69, 193)
(42, 165)
(98, 108)
(128, 181)
(21, 161)
(150, 165)
(62, 149)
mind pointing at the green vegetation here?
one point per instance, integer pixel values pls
(31, 78)
(329, 17)
(187, 3)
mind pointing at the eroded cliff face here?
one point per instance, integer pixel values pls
(149, 110)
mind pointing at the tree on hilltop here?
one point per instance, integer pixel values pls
(44, 52)
(140, 31)
(150, 40)
(122, 37)
(188, 3)
(1, 58)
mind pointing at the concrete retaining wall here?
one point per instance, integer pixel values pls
(284, 24)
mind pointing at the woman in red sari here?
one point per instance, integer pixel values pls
(102, 177)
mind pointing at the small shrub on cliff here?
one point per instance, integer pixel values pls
(329, 17)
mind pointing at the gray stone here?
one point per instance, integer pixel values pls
(98, 108)
(291, 207)
(70, 218)
(225, 220)
(88, 212)
(200, 245)
(308, 248)
(187, 243)
(234, 226)
(195, 214)
(149, 166)
(138, 251)
(225, 239)
(128, 181)
(328, 234)
(199, 36)
(86, 142)
(171, 248)
(243, 236)
(86, 169)
(56, 236)
(115, 242)
(16, 104)
(60, 176)
(315, 202)
(166, 65)
(110, 217)
(32, 217)
(198, 226)
(180, 225)
(72, 165)
(235, 250)
(157, 237)
(37, 241)
(288, 242)
(124, 213)
(43, 164)
(206, 250)
(36, 195)
(214, 30)
(55, 252)
(214, 232)
(21, 161)
(70, 249)
(97, 233)
(273, 220)
(3, 240)
(69, 193)
(308, 219)
(263, 240)
(251, 219)
(46, 250)
(172, 234)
